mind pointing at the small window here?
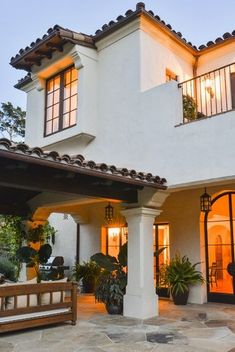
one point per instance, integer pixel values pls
(61, 101)
(171, 76)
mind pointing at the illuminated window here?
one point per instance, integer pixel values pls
(161, 240)
(171, 76)
(112, 239)
(61, 101)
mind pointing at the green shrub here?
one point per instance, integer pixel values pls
(8, 269)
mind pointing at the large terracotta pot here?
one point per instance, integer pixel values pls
(180, 298)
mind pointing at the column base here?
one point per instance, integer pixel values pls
(140, 306)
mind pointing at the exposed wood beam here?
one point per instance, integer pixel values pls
(44, 180)
(36, 61)
(58, 47)
(44, 53)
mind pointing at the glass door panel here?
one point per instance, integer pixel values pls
(161, 240)
(220, 210)
(219, 256)
(220, 247)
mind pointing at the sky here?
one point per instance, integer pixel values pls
(22, 22)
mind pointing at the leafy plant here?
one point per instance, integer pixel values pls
(111, 285)
(111, 289)
(12, 234)
(181, 273)
(88, 272)
(12, 121)
(8, 269)
(41, 233)
(189, 107)
(33, 257)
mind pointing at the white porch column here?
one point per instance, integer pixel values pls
(140, 300)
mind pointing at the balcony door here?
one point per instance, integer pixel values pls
(220, 232)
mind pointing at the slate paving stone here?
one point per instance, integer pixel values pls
(192, 328)
(166, 338)
(6, 346)
(127, 337)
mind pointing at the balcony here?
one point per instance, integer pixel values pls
(210, 94)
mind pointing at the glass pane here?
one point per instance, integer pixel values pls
(113, 251)
(67, 91)
(163, 259)
(220, 209)
(55, 125)
(73, 102)
(56, 110)
(220, 255)
(66, 121)
(50, 86)
(49, 113)
(74, 88)
(56, 82)
(73, 117)
(67, 76)
(66, 105)
(49, 127)
(74, 74)
(233, 207)
(50, 99)
(56, 96)
(114, 236)
(124, 230)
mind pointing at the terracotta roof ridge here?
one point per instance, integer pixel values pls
(79, 161)
(140, 9)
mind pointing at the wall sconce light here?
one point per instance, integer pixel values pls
(208, 86)
(205, 202)
(108, 213)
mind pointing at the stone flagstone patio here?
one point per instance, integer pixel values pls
(209, 327)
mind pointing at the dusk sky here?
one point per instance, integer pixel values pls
(23, 22)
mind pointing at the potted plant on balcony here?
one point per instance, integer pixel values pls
(111, 285)
(88, 272)
(180, 274)
(189, 108)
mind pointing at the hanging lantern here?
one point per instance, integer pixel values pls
(205, 202)
(109, 213)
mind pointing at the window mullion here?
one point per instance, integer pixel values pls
(61, 106)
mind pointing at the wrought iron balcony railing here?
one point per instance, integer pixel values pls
(210, 94)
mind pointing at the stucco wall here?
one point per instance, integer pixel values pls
(65, 239)
(216, 58)
(134, 120)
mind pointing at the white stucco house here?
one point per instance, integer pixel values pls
(137, 95)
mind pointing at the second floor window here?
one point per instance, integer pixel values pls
(170, 76)
(61, 101)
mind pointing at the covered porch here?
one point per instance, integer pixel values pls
(34, 184)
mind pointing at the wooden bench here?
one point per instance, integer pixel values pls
(51, 306)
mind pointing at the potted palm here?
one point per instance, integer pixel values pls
(179, 275)
(88, 272)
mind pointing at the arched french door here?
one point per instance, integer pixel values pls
(220, 235)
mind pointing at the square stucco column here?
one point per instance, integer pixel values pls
(140, 300)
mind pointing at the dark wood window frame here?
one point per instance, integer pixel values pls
(62, 98)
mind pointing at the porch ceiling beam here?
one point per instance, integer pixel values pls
(44, 180)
